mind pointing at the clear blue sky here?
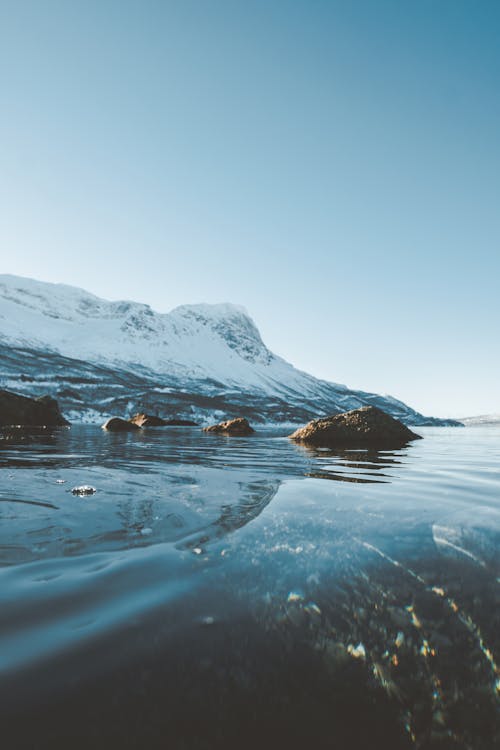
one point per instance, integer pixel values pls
(332, 166)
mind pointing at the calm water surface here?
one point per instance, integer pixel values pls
(228, 592)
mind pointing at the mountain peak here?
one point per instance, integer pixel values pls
(216, 310)
(232, 324)
(86, 326)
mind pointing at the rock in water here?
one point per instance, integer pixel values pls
(238, 426)
(147, 420)
(367, 427)
(16, 410)
(116, 424)
(83, 490)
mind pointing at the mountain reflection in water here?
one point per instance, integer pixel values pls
(216, 592)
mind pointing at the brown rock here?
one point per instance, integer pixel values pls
(16, 410)
(238, 426)
(116, 424)
(147, 420)
(366, 427)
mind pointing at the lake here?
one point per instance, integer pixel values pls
(217, 592)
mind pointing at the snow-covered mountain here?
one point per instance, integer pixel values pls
(201, 361)
(482, 419)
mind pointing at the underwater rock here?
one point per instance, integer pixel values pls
(365, 427)
(84, 489)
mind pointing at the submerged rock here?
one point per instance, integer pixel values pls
(84, 489)
(16, 410)
(365, 427)
(238, 426)
(117, 424)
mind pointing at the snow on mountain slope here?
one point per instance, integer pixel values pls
(212, 351)
(482, 419)
(215, 341)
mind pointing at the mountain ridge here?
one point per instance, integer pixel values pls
(84, 350)
(482, 419)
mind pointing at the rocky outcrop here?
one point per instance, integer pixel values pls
(367, 427)
(238, 426)
(116, 424)
(148, 420)
(22, 411)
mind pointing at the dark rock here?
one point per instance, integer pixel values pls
(16, 410)
(84, 489)
(238, 426)
(116, 424)
(365, 427)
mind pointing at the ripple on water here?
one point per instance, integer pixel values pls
(378, 587)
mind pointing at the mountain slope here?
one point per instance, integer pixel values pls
(99, 357)
(482, 419)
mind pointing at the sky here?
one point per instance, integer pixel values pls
(332, 166)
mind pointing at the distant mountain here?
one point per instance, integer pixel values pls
(198, 361)
(484, 419)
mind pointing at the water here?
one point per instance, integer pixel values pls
(228, 592)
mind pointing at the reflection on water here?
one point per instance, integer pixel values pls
(361, 466)
(173, 485)
(218, 593)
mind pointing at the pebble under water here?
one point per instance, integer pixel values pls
(177, 589)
